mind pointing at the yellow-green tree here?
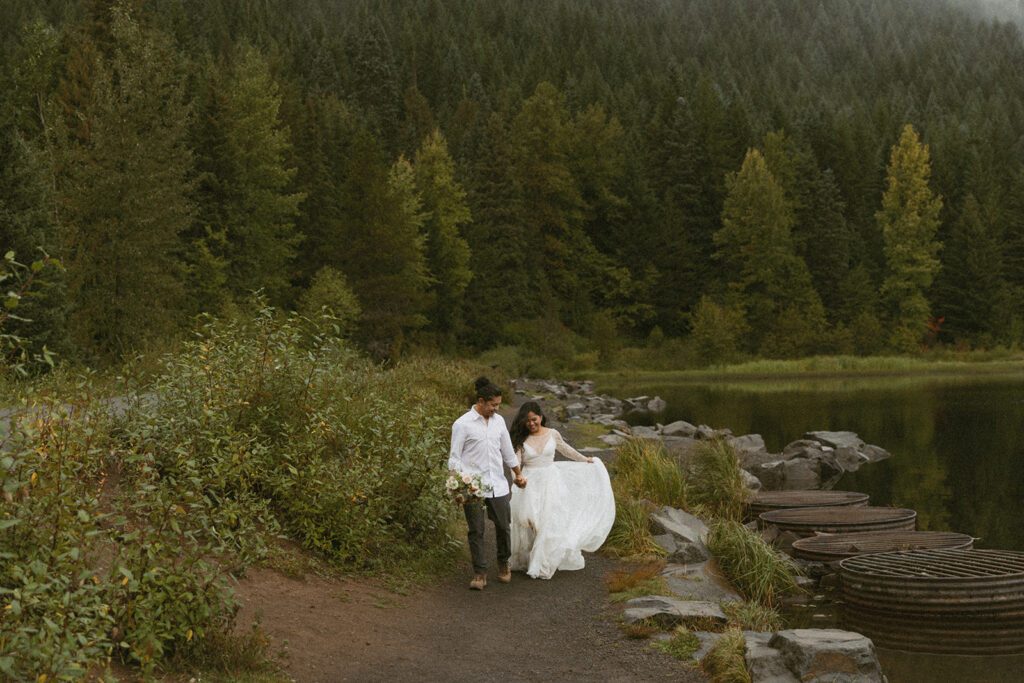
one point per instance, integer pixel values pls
(908, 220)
(445, 213)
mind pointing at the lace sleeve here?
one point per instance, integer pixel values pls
(565, 449)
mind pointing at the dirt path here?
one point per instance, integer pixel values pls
(563, 629)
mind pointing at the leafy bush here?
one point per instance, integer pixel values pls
(56, 613)
(330, 290)
(289, 427)
(756, 569)
(118, 535)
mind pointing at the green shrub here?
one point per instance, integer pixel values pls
(289, 427)
(118, 537)
(756, 569)
(54, 602)
(330, 291)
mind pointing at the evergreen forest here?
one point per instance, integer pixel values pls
(773, 178)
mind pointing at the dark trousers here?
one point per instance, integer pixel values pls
(500, 512)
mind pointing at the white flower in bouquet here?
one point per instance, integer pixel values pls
(464, 487)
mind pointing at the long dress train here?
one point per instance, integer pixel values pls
(565, 508)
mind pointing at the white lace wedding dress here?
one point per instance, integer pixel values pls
(566, 507)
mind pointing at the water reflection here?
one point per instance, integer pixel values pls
(957, 441)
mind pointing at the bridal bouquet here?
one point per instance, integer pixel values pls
(466, 487)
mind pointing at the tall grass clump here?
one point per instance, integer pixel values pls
(756, 569)
(645, 470)
(716, 483)
(726, 661)
(630, 535)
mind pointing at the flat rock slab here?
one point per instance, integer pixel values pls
(699, 581)
(828, 655)
(671, 612)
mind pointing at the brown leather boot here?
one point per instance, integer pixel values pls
(478, 582)
(504, 572)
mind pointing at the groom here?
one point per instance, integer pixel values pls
(480, 443)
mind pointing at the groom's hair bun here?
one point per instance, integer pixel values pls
(486, 389)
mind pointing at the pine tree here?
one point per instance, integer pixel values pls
(908, 220)
(29, 229)
(247, 208)
(968, 285)
(126, 192)
(773, 284)
(508, 273)
(381, 248)
(446, 215)
(553, 206)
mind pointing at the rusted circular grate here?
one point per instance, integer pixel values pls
(779, 500)
(939, 564)
(840, 519)
(951, 601)
(834, 547)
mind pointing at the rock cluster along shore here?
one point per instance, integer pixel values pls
(698, 592)
(815, 461)
(697, 589)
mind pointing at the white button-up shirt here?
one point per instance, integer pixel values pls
(481, 445)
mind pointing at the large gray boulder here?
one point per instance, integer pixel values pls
(747, 443)
(765, 663)
(798, 473)
(689, 534)
(670, 520)
(679, 428)
(644, 432)
(836, 439)
(849, 442)
(828, 655)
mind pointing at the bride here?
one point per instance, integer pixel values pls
(566, 507)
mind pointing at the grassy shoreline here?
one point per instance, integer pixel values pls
(818, 367)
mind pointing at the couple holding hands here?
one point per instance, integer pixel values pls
(557, 509)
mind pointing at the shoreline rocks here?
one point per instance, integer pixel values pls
(815, 461)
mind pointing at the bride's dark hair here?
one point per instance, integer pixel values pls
(519, 432)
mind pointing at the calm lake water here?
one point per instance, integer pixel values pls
(957, 447)
(957, 442)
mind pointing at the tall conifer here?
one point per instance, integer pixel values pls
(908, 221)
